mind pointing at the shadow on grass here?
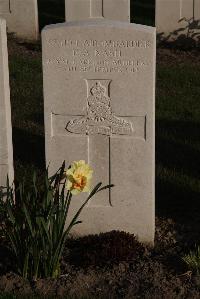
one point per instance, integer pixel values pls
(143, 12)
(51, 12)
(29, 151)
(178, 160)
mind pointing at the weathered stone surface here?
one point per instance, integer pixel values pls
(21, 17)
(77, 10)
(178, 18)
(6, 151)
(99, 85)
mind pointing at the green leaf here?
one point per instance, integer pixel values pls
(28, 219)
(77, 222)
(10, 214)
(26, 263)
(95, 189)
(105, 187)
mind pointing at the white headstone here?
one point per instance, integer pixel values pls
(174, 16)
(21, 17)
(79, 10)
(6, 151)
(99, 85)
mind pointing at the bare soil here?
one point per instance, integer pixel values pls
(114, 265)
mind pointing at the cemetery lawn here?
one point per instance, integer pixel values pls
(115, 265)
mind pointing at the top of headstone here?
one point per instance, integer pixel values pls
(81, 10)
(97, 23)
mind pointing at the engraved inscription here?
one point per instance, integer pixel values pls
(99, 119)
(99, 56)
(5, 6)
(100, 43)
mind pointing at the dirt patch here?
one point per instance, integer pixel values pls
(111, 248)
(115, 265)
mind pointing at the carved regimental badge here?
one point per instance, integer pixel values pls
(99, 118)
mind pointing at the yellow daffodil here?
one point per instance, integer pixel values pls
(79, 176)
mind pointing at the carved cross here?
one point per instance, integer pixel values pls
(96, 9)
(100, 125)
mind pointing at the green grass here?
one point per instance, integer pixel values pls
(143, 12)
(192, 260)
(177, 141)
(51, 12)
(27, 112)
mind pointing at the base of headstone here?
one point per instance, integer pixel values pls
(178, 20)
(21, 17)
